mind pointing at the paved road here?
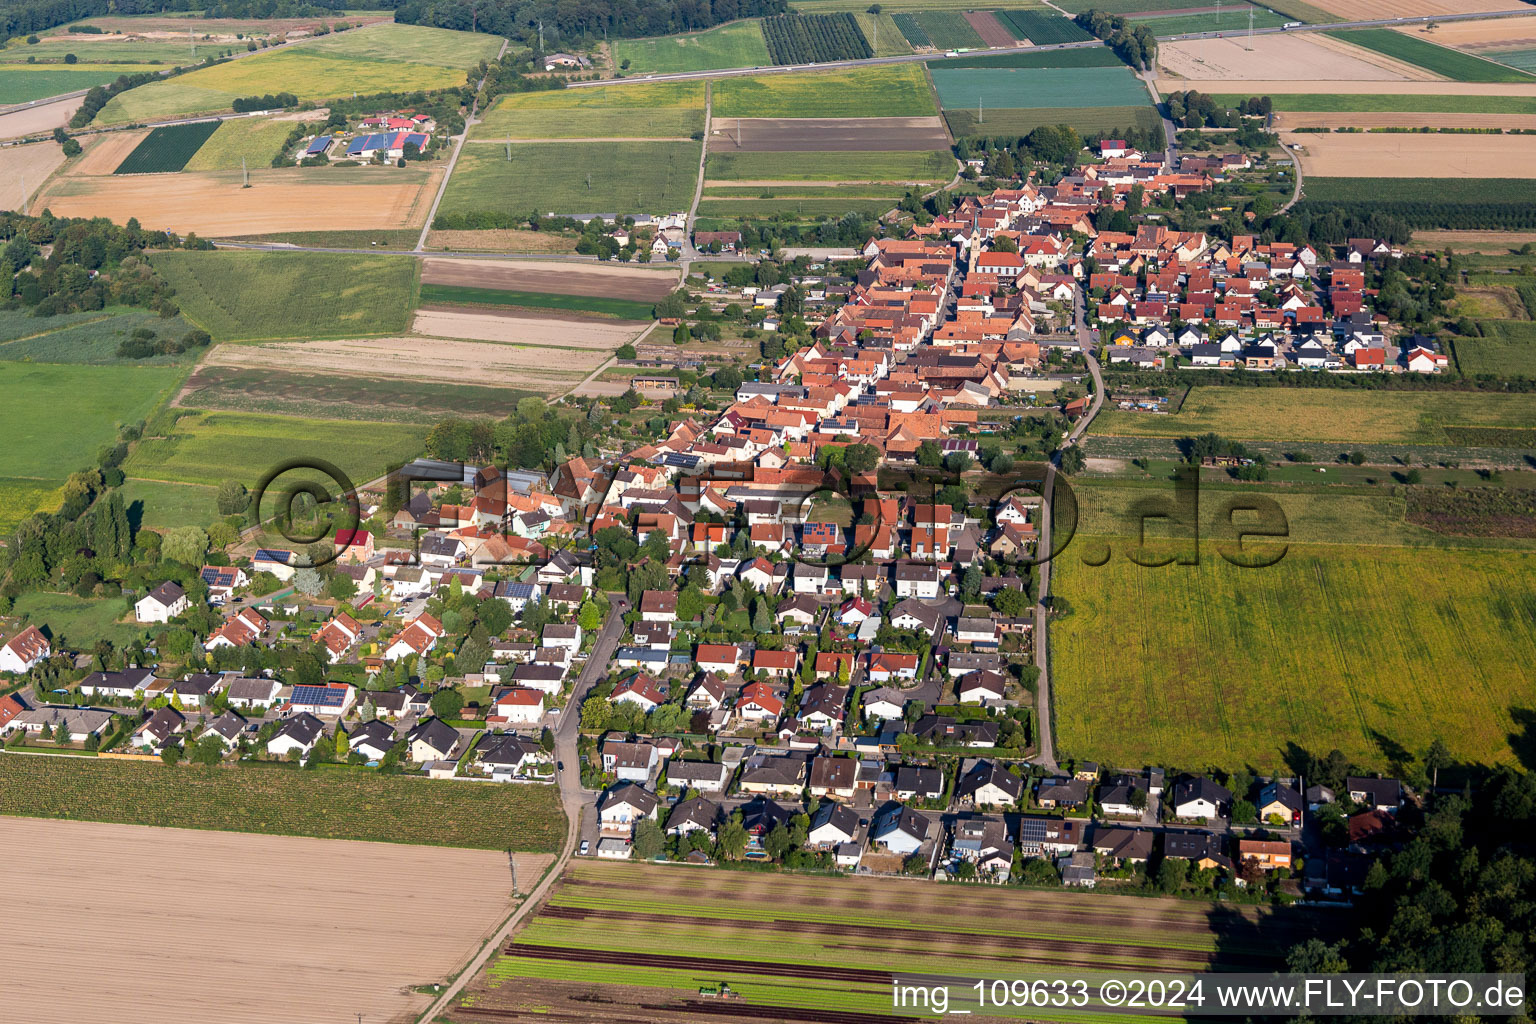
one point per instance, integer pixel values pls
(1170, 151)
(1046, 711)
(572, 797)
(458, 147)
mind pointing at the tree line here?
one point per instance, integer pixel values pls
(571, 22)
(1134, 44)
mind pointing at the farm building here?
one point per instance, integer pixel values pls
(316, 147)
(390, 144)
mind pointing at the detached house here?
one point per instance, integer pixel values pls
(24, 651)
(162, 604)
(419, 636)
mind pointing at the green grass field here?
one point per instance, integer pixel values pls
(161, 506)
(281, 800)
(256, 141)
(362, 61)
(911, 29)
(587, 177)
(1231, 19)
(737, 44)
(883, 34)
(238, 296)
(947, 30)
(654, 110)
(624, 309)
(832, 6)
(1029, 88)
(79, 620)
(891, 91)
(1044, 28)
(1087, 57)
(1520, 60)
(1379, 103)
(1507, 349)
(1212, 676)
(19, 498)
(1325, 415)
(935, 166)
(1430, 190)
(1453, 64)
(27, 83)
(205, 448)
(95, 50)
(58, 415)
(371, 399)
(805, 209)
(91, 340)
(1021, 122)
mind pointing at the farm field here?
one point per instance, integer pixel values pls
(889, 91)
(214, 203)
(595, 305)
(19, 498)
(1399, 190)
(58, 414)
(87, 338)
(1322, 415)
(1378, 155)
(256, 141)
(38, 120)
(1290, 122)
(812, 38)
(243, 295)
(737, 44)
(1477, 36)
(1044, 28)
(1231, 19)
(1367, 10)
(25, 83)
(50, 50)
(1390, 103)
(83, 618)
(652, 935)
(28, 165)
(167, 149)
(501, 240)
(557, 178)
(278, 800)
(1311, 57)
(882, 33)
(827, 6)
(1495, 243)
(807, 208)
(1087, 57)
(413, 44)
(1440, 60)
(1026, 88)
(205, 448)
(659, 109)
(567, 332)
(161, 506)
(943, 30)
(1522, 60)
(402, 398)
(1021, 122)
(615, 281)
(1325, 91)
(832, 134)
(935, 166)
(264, 969)
(1507, 349)
(1375, 666)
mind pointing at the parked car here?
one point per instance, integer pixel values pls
(585, 846)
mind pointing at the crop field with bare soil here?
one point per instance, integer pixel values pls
(1394, 154)
(29, 165)
(641, 940)
(214, 203)
(38, 120)
(569, 331)
(850, 134)
(1289, 121)
(1479, 36)
(328, 948)
(1302, 58)
(619, 282)
(1372, 10)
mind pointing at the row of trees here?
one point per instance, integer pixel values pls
(1193, 109)
(812, 38)
(570, 22)
(1132, 43)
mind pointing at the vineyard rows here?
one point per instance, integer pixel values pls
(167, 149)
(814, 38)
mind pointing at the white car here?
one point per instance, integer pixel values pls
(585, 846)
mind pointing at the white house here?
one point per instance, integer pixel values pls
(1199, 798)
(704, 776)
(24, 650)
(832, 825)
(300, 733)
(419, 636)
(566, 635)
(431, 740)
(162, 604)
(884, 703)
(159, 728)
(519, 705)
(901, 830)
(982, 686)
(624, 805)
(372, 739)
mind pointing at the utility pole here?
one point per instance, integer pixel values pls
(245, 178)
(541, 37)
(512, 863)
(1250, 28)
(980, 117)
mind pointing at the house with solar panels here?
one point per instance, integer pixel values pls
(222, 581)
(332, 700)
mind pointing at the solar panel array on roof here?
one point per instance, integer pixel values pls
(320, 696)
(318, 146)
(217, 577)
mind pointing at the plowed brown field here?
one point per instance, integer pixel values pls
(834, 134)
(609, 281)
(186, 927)
(1370, 10)
(1311, 57)
(546, 329)
(29, 164)
(1415, 156)
(992, 31)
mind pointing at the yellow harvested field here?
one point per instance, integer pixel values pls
(1289, 121)
(42, 118)
(1496, 243)
(1207, 82)
(552, 330)
(430, 359)
(265, 928)
(213, 203)
(29, 164)
(501, 240)
(1309, 57)
(1512, 33)
(1415, 156)
(1370, 10)
(104, 152)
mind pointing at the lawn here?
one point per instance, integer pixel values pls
(167, 149)
(412, 44)
(587, 177)
(58, 416)
(935, 166)
(283, 800)
(206, 448)
(256, 141)
(27, 83)
(86, 337)
(1506, 349)
(626, 309)
(79, 620)
(1327, 415)
(307, 73)
(656, 110)
(250, 295)
(1021, 122)
(1453, 64)
(1390, 103)
(738, 44)
(161, 506)
(1357, 646)
(1037, 87)
(890, 91)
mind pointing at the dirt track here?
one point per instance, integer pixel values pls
(618, 282)
(832, 134)
(126, 923)
(1394, 155)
